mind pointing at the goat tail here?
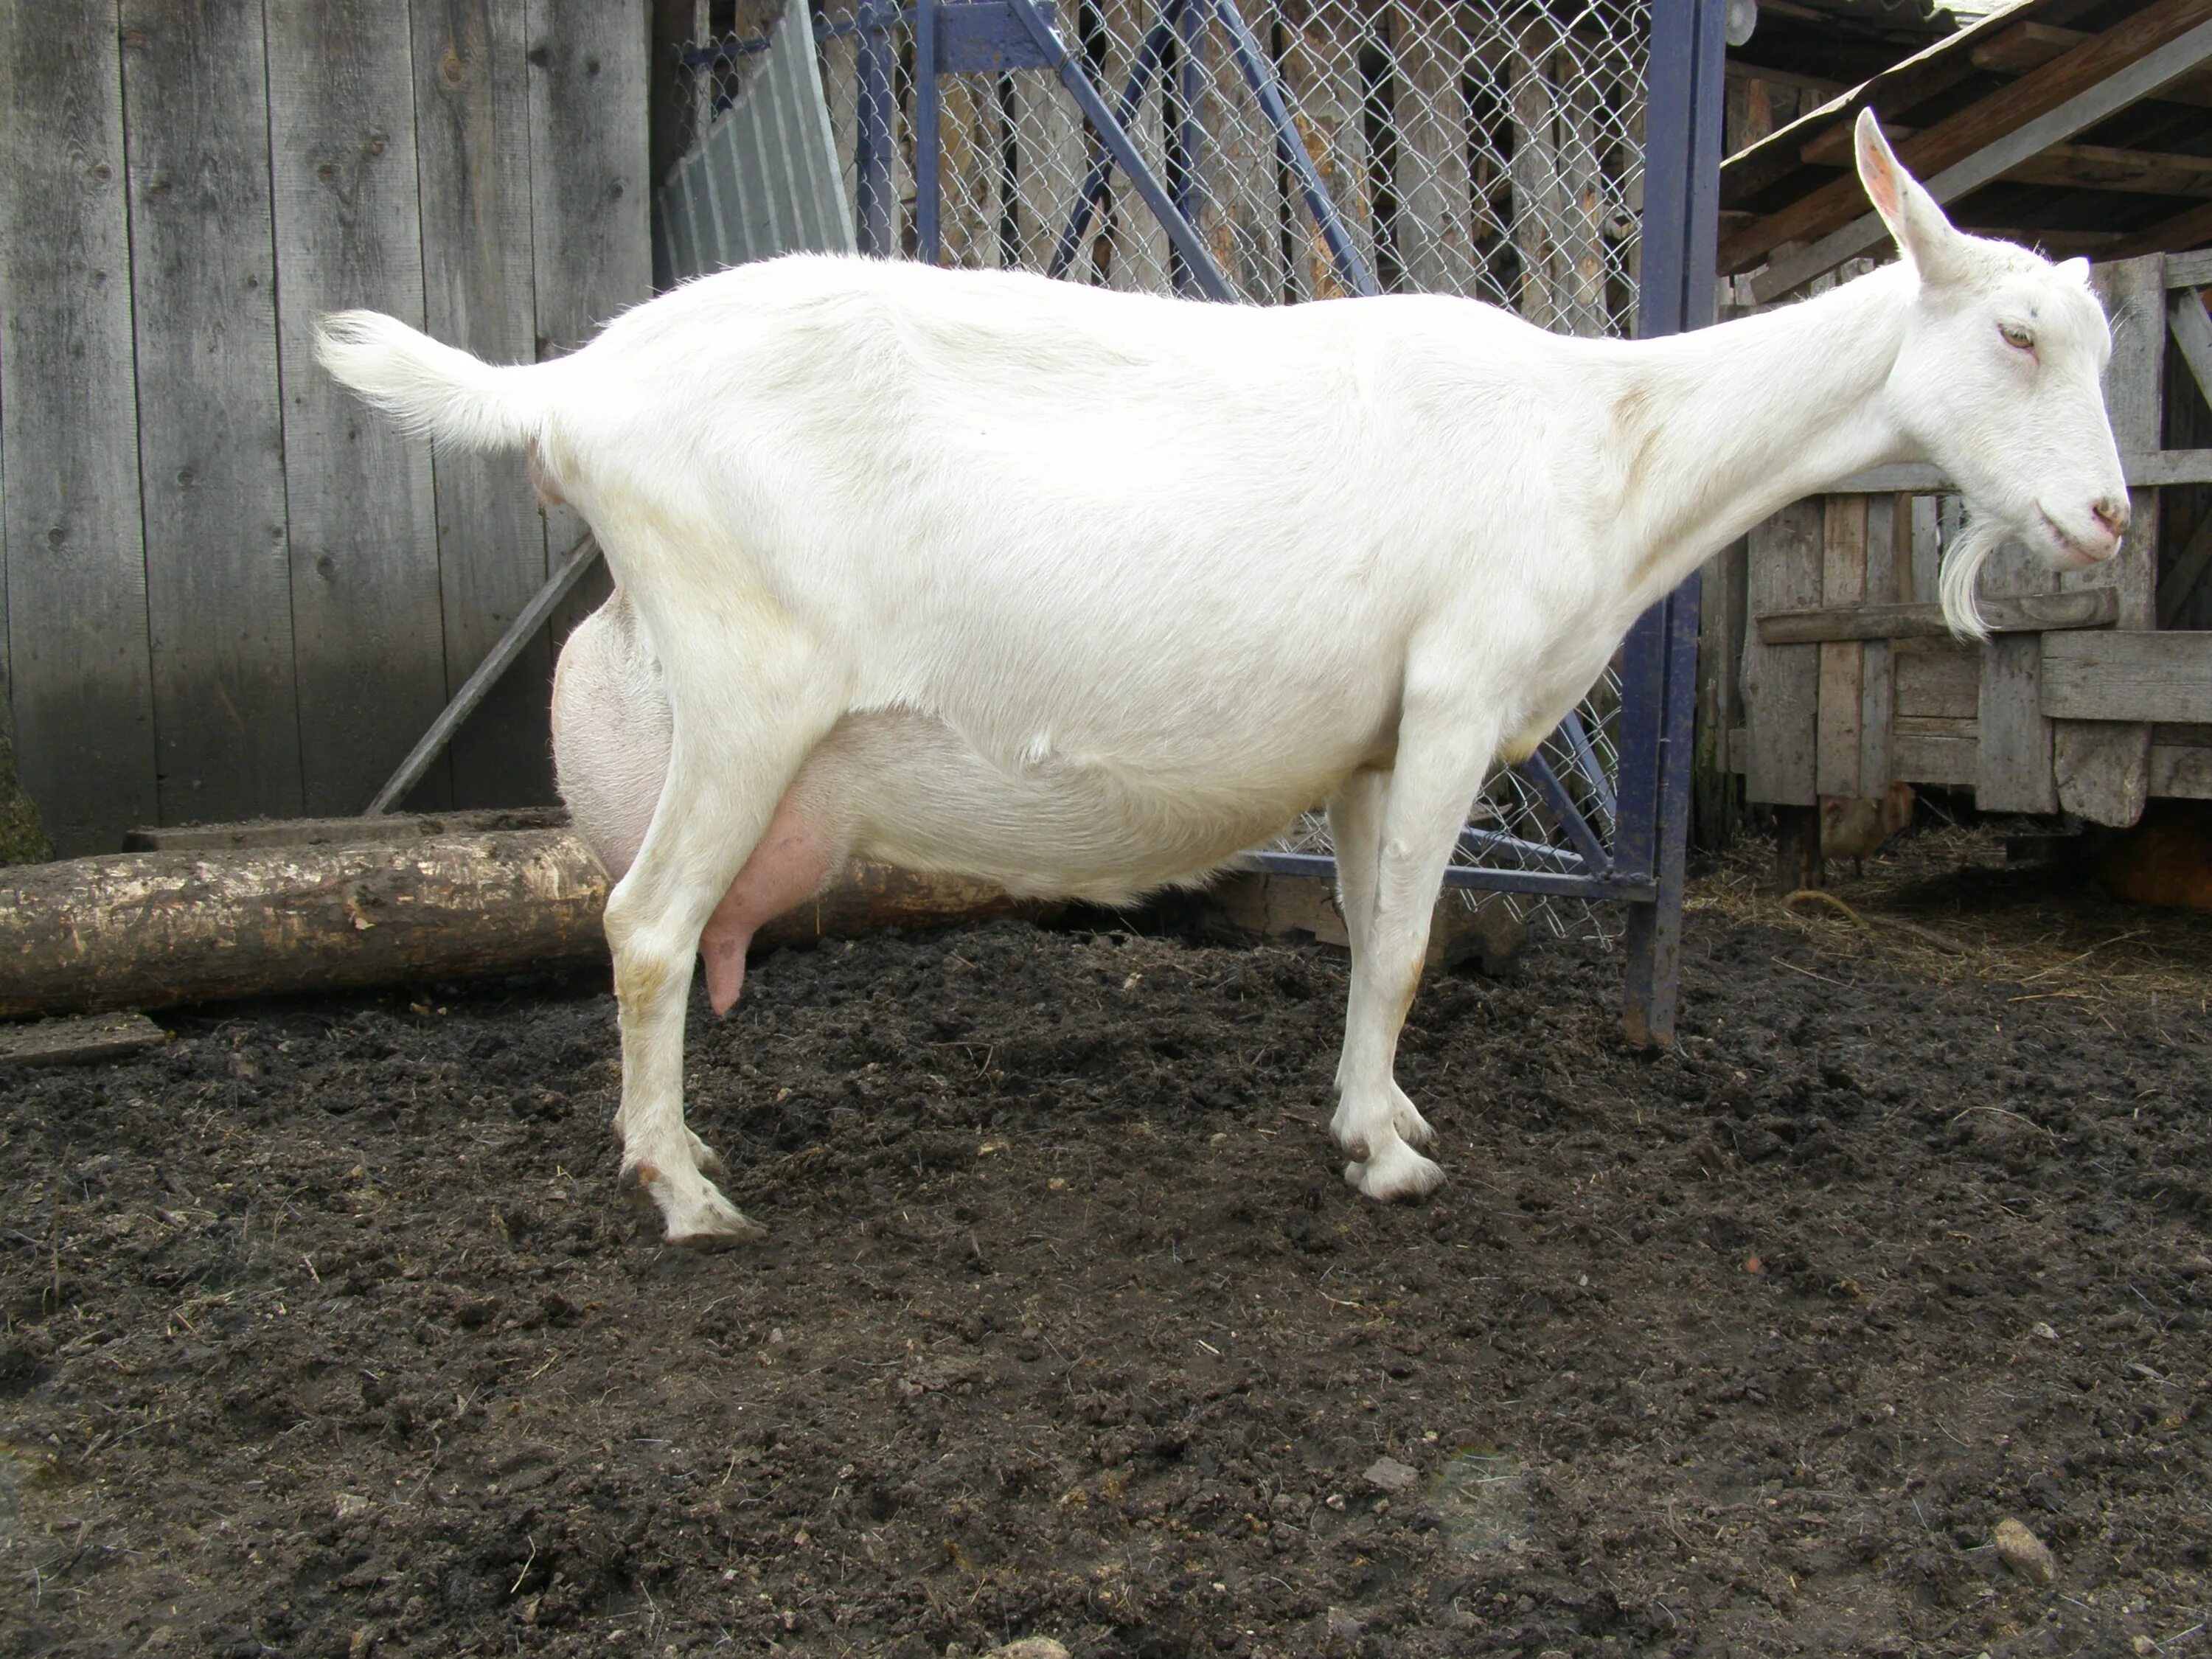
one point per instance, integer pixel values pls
(435, 391)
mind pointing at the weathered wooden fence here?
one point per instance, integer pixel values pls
(229, 590)
(2096, 690)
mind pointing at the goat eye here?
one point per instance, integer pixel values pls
(2017, 336)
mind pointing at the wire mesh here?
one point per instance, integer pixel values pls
(1490, 150)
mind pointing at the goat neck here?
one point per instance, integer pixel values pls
(1716, 429)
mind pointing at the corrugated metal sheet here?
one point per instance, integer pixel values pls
(765, 180)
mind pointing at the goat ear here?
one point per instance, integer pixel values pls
(1924, 235)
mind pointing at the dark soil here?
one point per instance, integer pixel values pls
(324, 1334)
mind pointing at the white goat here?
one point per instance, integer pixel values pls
(1084, 591)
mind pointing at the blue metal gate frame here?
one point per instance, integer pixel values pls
(1648, 811)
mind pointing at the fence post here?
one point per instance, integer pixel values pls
(1682, 200)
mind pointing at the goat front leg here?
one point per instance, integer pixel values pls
(1355, 829)
(1441, 764)
(715, 804)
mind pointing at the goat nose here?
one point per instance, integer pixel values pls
(2113, 513)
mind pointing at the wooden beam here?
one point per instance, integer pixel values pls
(2065, 166)
(2133, 675)
(2116, 91)
(2027, 47)
(2123, 63)
(2103, 167)
(2188, 270)
(2029, 614)
(1932, 71)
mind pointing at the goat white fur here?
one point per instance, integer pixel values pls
(1086, 591)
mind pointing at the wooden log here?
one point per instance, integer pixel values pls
(152, 930)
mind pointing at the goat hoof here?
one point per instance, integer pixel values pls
(746, 1231)
(1397, 1171)
(694, 1211)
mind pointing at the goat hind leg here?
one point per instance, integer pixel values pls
(1440, 765)
(712, 812)
(1355, 828)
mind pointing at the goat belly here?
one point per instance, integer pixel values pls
(916, 794)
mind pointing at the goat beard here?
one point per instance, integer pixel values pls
(1962, 568)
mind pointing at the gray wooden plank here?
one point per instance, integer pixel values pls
(2188, 270)
(1946, 760)
(2011, 767)
(1781, 683)
(1877, 681)
(2144, 468)
(2132, 676)
(589, 228)
(1927, 548)
(80, 675)
(210, 425)
(390, 828)
(1939, 681)
(2181, 771)
(366, 608)
(80, 1041)
(472, 157)
(2103, 770)
(1841, 742)
(2030, 613)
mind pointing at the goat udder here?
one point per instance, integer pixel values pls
(785, 871)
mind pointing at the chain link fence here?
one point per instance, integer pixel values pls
(1493, 150)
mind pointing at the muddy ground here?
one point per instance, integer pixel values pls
(324, 1334)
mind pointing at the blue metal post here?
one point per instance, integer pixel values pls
(1682, 200)
(927, 135)
(872, 141)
